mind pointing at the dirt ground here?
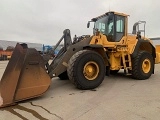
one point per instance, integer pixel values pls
(117, 98)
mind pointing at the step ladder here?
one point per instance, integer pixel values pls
(126, 61)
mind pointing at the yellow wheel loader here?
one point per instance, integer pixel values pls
(85, 61)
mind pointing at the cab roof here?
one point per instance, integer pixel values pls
(117, 13)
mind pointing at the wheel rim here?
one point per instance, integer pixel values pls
(146, 65)
(91, 70)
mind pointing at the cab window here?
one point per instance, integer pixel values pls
(120, 22)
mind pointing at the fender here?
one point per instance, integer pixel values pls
(100, 49)
(144, 45)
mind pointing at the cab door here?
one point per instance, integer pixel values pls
(119, 28)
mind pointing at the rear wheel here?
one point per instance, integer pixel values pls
(86, 69)
(143, 65)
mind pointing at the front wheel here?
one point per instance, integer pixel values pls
(142, 66)
(86, 69)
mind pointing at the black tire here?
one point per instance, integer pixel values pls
(113, 72)
(139, 72)
(77, 65)
(63, 76)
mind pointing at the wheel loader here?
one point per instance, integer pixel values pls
(85, 61)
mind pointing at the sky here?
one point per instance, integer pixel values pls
(43, 21)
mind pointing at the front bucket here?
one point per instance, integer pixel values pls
(25, 76)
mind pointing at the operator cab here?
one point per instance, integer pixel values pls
(111, 24)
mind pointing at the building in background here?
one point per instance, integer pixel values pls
(7, 47)
(156, 41)
(4, 44)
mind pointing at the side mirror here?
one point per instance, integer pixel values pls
(88, 24)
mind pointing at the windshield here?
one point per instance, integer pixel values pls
(104, 25)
